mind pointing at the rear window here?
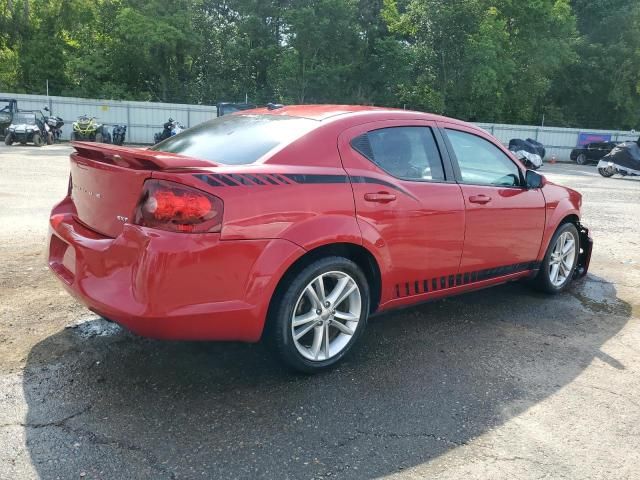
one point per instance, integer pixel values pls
(237, 139)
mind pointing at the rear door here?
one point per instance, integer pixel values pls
(504, 220)
(407, 206)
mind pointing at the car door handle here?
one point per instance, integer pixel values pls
(379, 197)
(482, 199)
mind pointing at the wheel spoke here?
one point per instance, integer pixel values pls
(319, 283)
(318, 336)
(326, 341)
(303, 331)
(568, 246)
(343, 328)
(555, 268)
(349, 317)
(311, 293)
(338, 289)
(306, 318)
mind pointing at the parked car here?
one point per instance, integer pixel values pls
(9, 106)
(295, 224)
(591, 152)
(28, 126)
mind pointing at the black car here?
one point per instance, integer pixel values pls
(591, 152)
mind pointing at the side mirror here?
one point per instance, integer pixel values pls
(534, 180)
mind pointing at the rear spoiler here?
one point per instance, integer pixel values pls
(137, 158)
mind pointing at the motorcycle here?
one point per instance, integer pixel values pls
(623, 160)
(86, 128)
(170, 128)
(118, 134)
(55, 126)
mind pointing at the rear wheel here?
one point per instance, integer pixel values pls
(99, 138)
(559, 264)
(582, 159)
(8, 140)
(320, 314)
(37, 140)
(72, 136)
(50, 139)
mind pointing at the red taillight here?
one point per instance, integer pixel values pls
(178, 208)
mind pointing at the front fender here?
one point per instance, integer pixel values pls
(561, 203)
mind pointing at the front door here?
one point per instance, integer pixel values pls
(407, 208)
(504, 220)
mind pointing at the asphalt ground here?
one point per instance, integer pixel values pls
(501, 383)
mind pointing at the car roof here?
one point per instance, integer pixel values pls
(326, 112)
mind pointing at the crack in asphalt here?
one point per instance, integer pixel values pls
(395, 435)
(56, 423)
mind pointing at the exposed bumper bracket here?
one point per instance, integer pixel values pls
(584, 257)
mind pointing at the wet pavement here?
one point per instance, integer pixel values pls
(501, 383)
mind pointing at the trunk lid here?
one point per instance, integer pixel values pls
(107, 181)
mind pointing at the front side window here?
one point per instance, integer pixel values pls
(481, 162)
(409, 153)
(237, 139)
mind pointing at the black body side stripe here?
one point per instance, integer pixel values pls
(465, 278)
(255, 179)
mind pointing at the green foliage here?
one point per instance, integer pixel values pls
(575, 62)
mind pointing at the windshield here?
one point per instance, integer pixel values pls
(237, 139)
(29, 118)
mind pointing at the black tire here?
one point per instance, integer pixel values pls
(8, 140)
(542, 280)
(99, 138)
(37, 140)
(278, 332)
(72, 136)
(607, 172)
(582, 159)
(49, 139)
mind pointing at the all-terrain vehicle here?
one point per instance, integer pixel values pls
(86, 128)
(8, 107)
(28, 126)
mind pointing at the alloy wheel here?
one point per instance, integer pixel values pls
(326, 316)
(562, 259)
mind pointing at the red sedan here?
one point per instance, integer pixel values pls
(295, 224)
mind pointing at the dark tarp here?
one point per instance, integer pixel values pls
(625, 156)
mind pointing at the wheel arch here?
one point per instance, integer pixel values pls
(360, 255)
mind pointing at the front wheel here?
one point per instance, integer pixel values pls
(37, 140)
(99, 138)
(559, 264)
(607, 172)
(319, 314)
(582, 159)
(8, 140)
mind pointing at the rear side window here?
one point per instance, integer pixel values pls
(237, 139)
(409, 153)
